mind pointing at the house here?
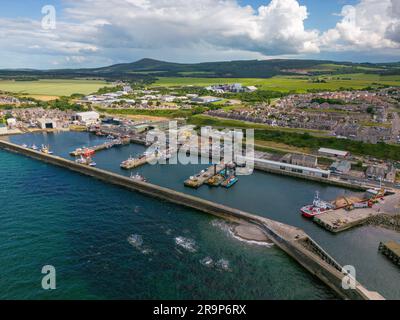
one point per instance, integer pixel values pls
(382, 173)
(341, 167)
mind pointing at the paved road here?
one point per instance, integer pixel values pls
(395, 126)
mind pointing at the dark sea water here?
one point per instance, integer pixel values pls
(50, 215)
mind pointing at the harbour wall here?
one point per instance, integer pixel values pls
(295, 242)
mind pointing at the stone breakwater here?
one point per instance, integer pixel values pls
(391, 222)
(294, 241)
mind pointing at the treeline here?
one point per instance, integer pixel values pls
(63, 104)
(380, 150)
(330, 101)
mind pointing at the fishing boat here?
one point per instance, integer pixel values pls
(46, 150)
(230, 182)
(319, 206)
(86, 161)
(138, 177)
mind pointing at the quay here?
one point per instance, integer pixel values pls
(133, 163)
(201, 178)
(391, 249)
(294, 241)
(340, 220)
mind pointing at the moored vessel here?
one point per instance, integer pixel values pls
(46, 150)
(138, 177)
(317, 207)
(230, 181)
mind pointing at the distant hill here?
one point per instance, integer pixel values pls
(149, 69)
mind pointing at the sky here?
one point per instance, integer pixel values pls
(92, 33)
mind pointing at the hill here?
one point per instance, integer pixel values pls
(150, 69)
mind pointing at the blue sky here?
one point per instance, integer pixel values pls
(114, 31)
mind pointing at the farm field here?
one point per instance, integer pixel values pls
(53, 87)
(299, 84)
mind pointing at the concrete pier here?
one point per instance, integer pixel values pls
(295, 242)
(201, 178)
(340, 220)
(103, 146)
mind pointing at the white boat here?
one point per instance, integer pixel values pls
(46, 150)
(34, 147)
(138, 177)
(86, 161)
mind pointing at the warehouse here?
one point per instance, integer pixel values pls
(333, 153)
(88, 118)
(47, 124)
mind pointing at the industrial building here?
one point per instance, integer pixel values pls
(281, 167)
(207, 99)
(47, 124)
(333, 153)
(88, 118)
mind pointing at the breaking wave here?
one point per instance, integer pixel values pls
(136, 241)
(186, 243)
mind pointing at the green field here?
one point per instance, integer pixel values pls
(289, 83)
(52, 87)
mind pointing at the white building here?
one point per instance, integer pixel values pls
(88, 118)
(11, 122)
(47, 123)
(275, 166)
(127, 89)
(206, 99)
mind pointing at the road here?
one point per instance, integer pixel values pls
(395, 126)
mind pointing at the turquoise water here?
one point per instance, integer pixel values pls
(81, 226)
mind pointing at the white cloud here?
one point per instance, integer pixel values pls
(369, 25)
(118, 28)
(96, 32)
